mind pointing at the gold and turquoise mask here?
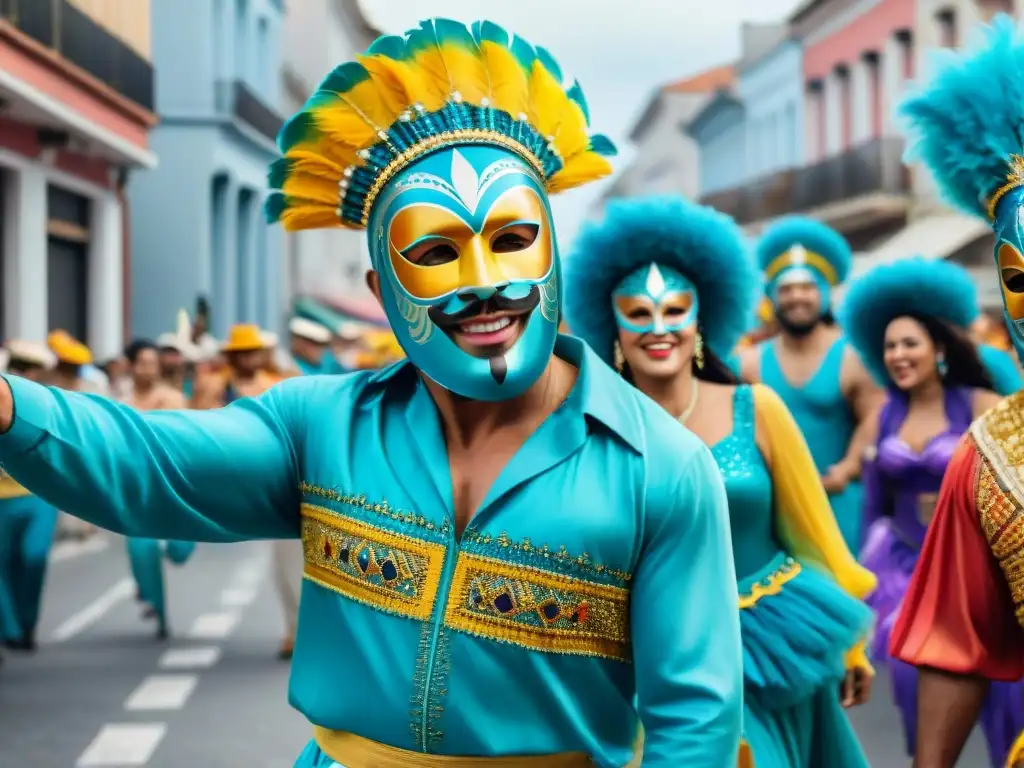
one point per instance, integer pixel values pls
(1009, 254)
(655, 299)
(462, 232)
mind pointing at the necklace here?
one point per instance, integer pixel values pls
(694, 392)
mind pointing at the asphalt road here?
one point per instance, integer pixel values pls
(102, 692)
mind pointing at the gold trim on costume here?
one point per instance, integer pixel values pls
(1014, 179)
(384, 570)
(444, 140)
(807, 258)
(538, 610)
(771, 584)
(357, 752)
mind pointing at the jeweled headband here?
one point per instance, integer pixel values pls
(440, 85)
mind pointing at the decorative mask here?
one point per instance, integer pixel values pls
(462, 232)
(655, 299)
(1009, 254)
(798, 265)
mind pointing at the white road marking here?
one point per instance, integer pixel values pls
(128, 744)
(237, 598)
(213, 626)
(95, 611)
(69, 550)
(190, 658)
(162, 692)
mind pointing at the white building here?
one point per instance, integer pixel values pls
(328, 263)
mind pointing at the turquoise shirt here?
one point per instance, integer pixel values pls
(1002, 368)
(308, 369)
(594, 584)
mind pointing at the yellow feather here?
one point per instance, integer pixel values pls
(391, 87)
(341, 123)
(298, 217)
(415, 86)
(366, 99)
(435, 76)
(510, 90)
(579, 170)
(304, 186)
(571, 137)
(304, 161)
(467, 73)
(547, 101)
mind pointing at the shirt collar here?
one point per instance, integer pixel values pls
(598, 392)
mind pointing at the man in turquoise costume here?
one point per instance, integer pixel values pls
(810, 365)
(491, 528)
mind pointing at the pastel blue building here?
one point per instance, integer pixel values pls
(770, 84)
(720, 132)
(197, 226)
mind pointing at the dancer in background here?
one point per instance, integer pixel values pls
(660, 310)
(809, 364)
(491, 529)
(905, 321)
(72, 359)
(27, 523)
(309, 342)
(962, 621)
(245, 353)
(146, 556)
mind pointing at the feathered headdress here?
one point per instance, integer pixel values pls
(705, 246)
(967, 124)
(799, 240)
(914, 286)
(439, 85)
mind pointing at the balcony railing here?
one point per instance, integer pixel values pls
(59, 25)
(235, 99)
(875, 166)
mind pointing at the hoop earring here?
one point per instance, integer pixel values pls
(698, 351)
(942, 366)
(620, 359)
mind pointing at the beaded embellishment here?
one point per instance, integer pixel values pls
(391, 572)
(537, 609)
(772, 584)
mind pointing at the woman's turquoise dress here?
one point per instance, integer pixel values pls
(795, 640)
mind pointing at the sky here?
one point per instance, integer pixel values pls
(620, 50)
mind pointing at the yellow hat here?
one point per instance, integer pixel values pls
(243, 338)
(68, 349)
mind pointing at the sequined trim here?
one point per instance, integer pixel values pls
(380, 508)
(539, 610)
(384, 570)
(999, 435)
(430, 687)
(771, 584)
(1002, 521)
(543, 557)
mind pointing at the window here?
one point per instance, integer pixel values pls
(263, 58)
(905, 38)
(67, 262)
(872, 63)
(241, 39)
(244, 258)
(845, 107)
(946, 20)
(989, 8)
(219, 252)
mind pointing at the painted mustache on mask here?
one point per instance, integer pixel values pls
(498, 302)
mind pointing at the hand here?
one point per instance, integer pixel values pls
(838, 476)
(856, 687)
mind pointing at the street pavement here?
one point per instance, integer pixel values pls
(102, 692)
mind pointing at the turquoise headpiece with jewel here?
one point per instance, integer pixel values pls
(802, 249)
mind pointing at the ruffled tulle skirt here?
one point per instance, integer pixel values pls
(892, 560)
(794, 648)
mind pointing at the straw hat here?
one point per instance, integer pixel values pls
(269, 339)
(30, 352)
(309, 330)
(244, 338)
(68, 349)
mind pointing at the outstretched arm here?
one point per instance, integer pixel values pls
(685, 624)
(218, 475)
(957, 622)
(866, 399)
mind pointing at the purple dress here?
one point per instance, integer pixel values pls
(900, 490)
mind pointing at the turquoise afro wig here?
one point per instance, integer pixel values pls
(968, 121)
(705, 246)
(811, 234)
(913, 286)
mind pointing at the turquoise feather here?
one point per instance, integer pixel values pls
(576, 94)
(523, 53)
(454, 32)
(491, 32)
(300, 129)
(391, 46)
(274, 207)
(969, 119)
(344, 78)
(545, 58)
(602, 145)
(278, 173)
